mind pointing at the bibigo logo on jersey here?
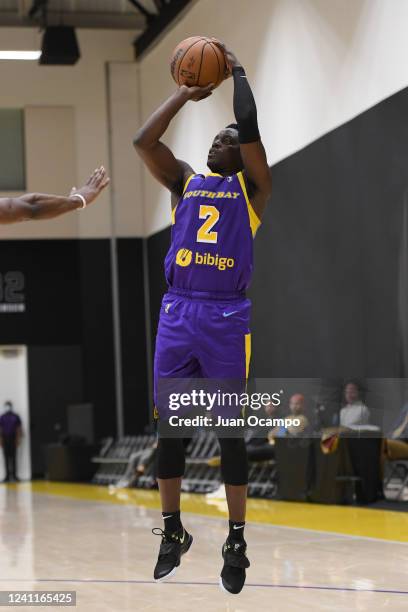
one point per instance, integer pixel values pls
(184, 258)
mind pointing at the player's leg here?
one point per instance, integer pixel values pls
(225, 355)
(173, 359)
(234, 469)
(170, 470)
(175, 539)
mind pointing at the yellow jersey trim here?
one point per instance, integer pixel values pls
(187, 183)
(247, 349)
(247, 354)
(254, 220)
(173, 212)
(213, 174)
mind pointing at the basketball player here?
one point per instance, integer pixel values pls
(38, 206)
(204, 320)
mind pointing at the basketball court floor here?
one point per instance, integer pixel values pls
(97, 541)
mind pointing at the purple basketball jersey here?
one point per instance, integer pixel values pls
(212, 236)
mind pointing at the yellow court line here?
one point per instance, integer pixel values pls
(347, 520)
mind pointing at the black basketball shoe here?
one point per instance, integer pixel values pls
(173, 545)
(233, 573)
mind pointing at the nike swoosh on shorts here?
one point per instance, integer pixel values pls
(228, 314)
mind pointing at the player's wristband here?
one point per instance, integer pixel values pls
(80, 197)
(239, 70)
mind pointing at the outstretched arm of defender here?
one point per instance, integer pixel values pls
(256, 169)
(169, 171)
(39, 206)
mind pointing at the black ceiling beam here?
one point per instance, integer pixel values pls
(36, 7)
(157, 25)
(149, 16)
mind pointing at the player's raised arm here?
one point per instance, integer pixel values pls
(169, 171)
(37, 206)
(256, 170)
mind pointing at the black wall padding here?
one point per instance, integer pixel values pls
(68, 299)
(326, 289)
(132, 315)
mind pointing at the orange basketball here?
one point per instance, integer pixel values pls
(197, 61)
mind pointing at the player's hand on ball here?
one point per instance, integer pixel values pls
(93, 186)
(231, 60)
(196, 93)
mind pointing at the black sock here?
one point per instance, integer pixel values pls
(236, 530)
(172, 521)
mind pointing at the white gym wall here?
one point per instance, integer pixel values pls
(80, 92)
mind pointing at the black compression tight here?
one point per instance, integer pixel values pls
(234, 464)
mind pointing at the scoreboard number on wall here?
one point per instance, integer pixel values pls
(12, 298)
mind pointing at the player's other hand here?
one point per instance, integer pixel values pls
(196, 93)
(93, 186)
(231, 60)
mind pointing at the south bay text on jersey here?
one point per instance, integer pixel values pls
(211, 194)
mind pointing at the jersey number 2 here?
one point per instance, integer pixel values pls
(211, 216)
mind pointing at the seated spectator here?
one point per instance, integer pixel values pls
(396, 445)
(354, 413)
(296, 411)
(260, 442)
(259, 448)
